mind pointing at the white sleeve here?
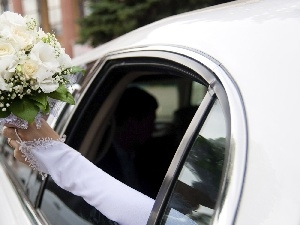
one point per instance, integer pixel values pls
(74, 173)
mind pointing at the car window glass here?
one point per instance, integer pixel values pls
(21, 171)
(198, 92)
(33, 186)
(62, 207)
(195, 193)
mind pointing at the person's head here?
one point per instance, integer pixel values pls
(135, 114)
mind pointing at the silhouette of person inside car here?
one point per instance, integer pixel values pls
(134, 117)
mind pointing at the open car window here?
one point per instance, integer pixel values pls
(178, 94)
(181, 164)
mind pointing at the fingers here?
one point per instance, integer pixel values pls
(9, 132)
(17, 153)
(19, 156)
(31, 133)
(16, 136)
(8, 142)
(13, 143)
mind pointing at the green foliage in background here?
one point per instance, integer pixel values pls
(109, 19)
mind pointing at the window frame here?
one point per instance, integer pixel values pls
(223, 86)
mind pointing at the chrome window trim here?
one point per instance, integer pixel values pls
(233, 106)
(233, 179)
(118, 55)
(219, 80)
(179, 158)
(227, 91)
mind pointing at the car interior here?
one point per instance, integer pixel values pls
(173, 115)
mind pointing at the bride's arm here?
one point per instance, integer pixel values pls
(74, 173)
(71, 171)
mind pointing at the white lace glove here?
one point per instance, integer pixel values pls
(73, 172)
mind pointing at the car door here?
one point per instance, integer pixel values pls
(186, 165)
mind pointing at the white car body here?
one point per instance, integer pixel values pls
(258, 43)
(12, 210)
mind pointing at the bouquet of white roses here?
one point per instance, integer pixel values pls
(33, 68)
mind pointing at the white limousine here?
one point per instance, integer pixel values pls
(225, 145)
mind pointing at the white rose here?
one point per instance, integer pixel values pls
(8, 21)
(14, 28)
(48, 85)
(7, 56)
(43, 77)
(6, 49)
(29, 68)
(45, 56)
(19, 37)
(5, 31)
(22, 37)
(45, 80)
(64, 60)
(12, 19)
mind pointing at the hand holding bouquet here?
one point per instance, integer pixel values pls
(33, 68)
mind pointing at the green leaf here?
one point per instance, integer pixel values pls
(47, 109)
(41, 101)
(76, 69)
(26, 109)
(4, 114)
(43, 108)
(62, 94)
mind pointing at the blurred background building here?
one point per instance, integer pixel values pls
(54, 16)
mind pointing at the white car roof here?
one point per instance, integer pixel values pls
(220, 31)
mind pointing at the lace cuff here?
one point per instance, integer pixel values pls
(28, 147)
